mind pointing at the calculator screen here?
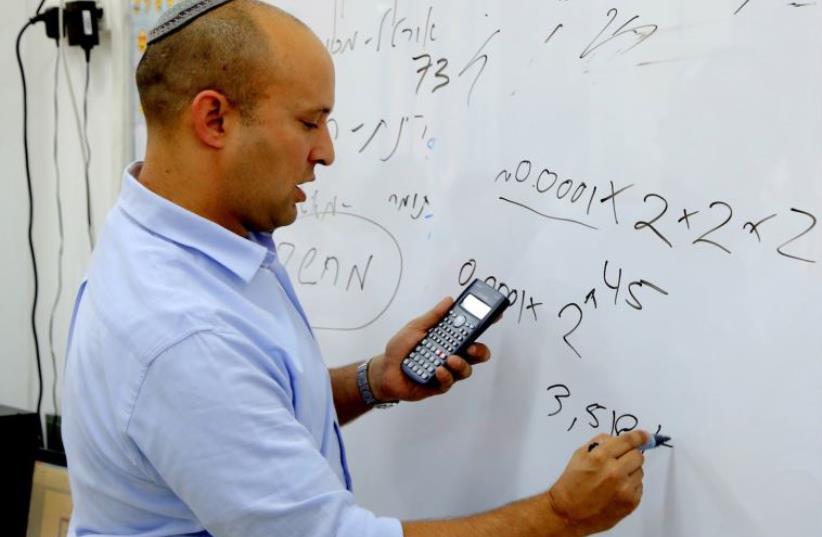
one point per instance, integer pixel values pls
(475, 306)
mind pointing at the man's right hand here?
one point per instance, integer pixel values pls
(598, 488)
(601, 485)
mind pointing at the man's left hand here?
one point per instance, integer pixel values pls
(385, 375)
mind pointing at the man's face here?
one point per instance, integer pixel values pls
(286, 139)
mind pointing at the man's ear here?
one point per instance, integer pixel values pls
(209, 111)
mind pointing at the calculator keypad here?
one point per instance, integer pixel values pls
(442, 341)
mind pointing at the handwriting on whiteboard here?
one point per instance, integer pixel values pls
(595, 416)
(546, 194)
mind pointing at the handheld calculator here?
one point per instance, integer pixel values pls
(477, 307)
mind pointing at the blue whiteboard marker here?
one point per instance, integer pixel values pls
(656, 440)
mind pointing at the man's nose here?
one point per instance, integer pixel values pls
(323, 153)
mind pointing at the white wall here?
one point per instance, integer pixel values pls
(107, 128)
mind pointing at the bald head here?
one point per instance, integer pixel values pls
(228, 49)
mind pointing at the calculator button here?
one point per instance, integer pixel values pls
(459, 320)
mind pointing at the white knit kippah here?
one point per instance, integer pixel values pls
(181, 14)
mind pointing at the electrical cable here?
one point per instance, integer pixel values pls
(72, 95)
(61, 236)
(84, 150)
(39, 7)
(88, 154)
(31, 215)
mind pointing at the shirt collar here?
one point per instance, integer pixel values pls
(243, 257)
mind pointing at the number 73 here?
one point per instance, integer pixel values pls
(442, 63)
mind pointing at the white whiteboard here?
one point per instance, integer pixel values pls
(709, 106)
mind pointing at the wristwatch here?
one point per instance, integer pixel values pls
(365, 389)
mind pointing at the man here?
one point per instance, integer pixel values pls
(196, 399)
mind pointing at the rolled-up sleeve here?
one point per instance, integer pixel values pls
(214, 422)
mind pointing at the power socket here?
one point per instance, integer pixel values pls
(51, 17)
(81, 24)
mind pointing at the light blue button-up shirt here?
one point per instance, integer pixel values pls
(196, 400)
